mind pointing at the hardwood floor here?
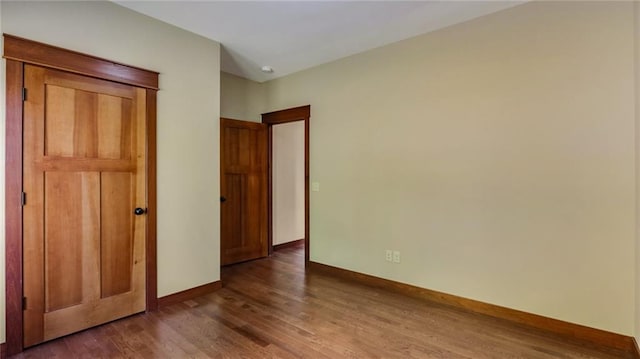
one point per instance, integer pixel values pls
(271, 308)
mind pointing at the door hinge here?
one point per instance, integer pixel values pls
(24, 94)
(23, 199)
(24, 303)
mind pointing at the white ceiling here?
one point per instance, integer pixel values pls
(295, 35)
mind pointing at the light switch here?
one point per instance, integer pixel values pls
(315, 186)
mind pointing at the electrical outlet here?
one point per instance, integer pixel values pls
(396, 256)
(389, 255)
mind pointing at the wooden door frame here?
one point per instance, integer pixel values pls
(302, 113)
(18, 52)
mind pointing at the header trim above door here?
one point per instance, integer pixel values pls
(36, 53)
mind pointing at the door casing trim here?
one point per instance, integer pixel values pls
(18, 52)
(301, 113)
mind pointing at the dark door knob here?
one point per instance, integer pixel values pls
(222, 199)
(139, 211)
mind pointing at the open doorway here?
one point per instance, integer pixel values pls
(287, 174)
(288, 198)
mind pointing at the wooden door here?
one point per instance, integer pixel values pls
(243, 190)
(84, 174)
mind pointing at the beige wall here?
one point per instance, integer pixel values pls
(288, 182)
(637, 134)
(188, 120)
(496, 155)
(241, 99)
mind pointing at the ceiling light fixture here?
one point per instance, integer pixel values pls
(267, 69)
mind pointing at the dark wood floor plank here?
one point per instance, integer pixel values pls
(272, 308)
(240, 312)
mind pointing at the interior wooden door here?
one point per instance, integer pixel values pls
(84, 174)
(243, 189)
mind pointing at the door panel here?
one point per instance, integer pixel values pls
(244, 185)
(59, 121)
(114, 122)
(70, 213)
(233, 218)
(84, 173)
(117, 232)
